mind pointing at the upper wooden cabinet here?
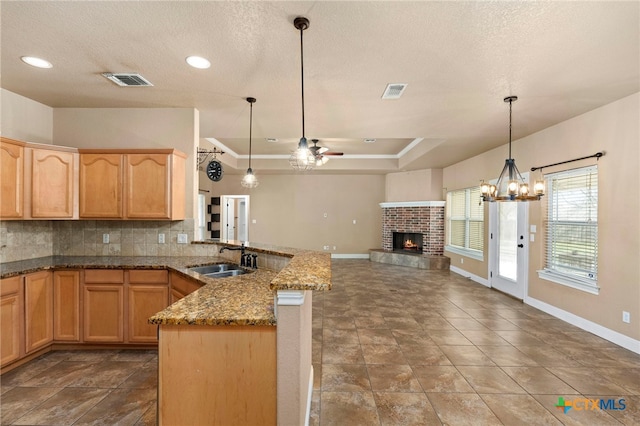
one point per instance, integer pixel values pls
(11, 178)
(133, 184)
(53, 184)
(101, 185)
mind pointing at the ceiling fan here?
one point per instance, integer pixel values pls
(321, 153)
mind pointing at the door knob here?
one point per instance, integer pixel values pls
(520, 245)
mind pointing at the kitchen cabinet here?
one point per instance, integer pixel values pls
(66, 306)
(103, 305)
(101, 185)
(11, 320)
(11, 178)
(132, 184)
(53, 177)
(38, 310)
(155, 185)
(148, 293)
(181, 286)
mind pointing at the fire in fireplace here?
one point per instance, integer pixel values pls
(407, 241)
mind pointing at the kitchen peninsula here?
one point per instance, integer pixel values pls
(236, 350)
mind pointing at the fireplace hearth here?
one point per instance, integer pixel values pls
(410, 242)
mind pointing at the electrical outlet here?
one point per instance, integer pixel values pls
(626, 317)
(160, 238)
(461, 260)
(105, 238)
(334, 247)
(182, 238)
(325, 248)
(354, 221)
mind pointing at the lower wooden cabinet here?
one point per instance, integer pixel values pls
(181, 286)
(148, 293)
(38, 310)
(93, 306)
(103, 304)
(66, 306)
(11, 320)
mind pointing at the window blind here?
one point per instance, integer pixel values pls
(572, 224)
(465, 217)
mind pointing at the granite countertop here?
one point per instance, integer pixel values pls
(240, 300)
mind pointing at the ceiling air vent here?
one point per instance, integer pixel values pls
(394, 90)
(127, 79)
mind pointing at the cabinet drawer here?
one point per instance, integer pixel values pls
(148, 277)
(104, 276)
(10, 285)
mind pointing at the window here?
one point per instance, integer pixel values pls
(465, 223)
(572, 229)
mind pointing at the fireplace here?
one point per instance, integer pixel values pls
(407, 242)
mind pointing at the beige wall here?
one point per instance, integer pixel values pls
(151, 128)
(614, 129)
(289, 209)
(24, 119)
(417, 185)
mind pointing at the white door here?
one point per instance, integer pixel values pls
(242, 220)
(508, 247)
(230, 219)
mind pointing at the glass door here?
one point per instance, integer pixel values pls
(508, 248)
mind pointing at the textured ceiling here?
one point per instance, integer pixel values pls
(459, 59)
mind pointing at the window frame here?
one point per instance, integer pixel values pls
(466, 250)
(589, 285)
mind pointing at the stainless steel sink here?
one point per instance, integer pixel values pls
(219, 270)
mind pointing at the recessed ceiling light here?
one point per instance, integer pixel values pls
(198, 62)
(369, 140)
(36, 62)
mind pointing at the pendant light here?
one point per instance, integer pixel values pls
(510, 185)
(302, 159)
(250, 180)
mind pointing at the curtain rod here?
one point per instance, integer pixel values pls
(596, 155)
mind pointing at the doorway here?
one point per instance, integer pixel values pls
(508, 247)
(235, 217)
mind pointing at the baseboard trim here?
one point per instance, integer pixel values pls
(613, 336)
(469, 275)
(349, 256)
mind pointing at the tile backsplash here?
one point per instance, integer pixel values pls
(20, 240)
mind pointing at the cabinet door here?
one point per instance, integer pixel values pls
(148, 186)
(11, 324)
(103, 305)
(38, 310)
(11, 180)
(52, 184)
(101, 185)
(145, 301)
(66, 306)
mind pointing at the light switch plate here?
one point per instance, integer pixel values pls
(182, 238)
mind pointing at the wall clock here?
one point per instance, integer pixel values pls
(214, 170)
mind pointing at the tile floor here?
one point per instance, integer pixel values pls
(392, 346)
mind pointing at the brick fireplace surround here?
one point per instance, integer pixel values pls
(425, 217)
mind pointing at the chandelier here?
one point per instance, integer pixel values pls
(250, 180)
(302, 159)
(511, 185)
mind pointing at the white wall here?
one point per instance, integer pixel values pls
(24, 119)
